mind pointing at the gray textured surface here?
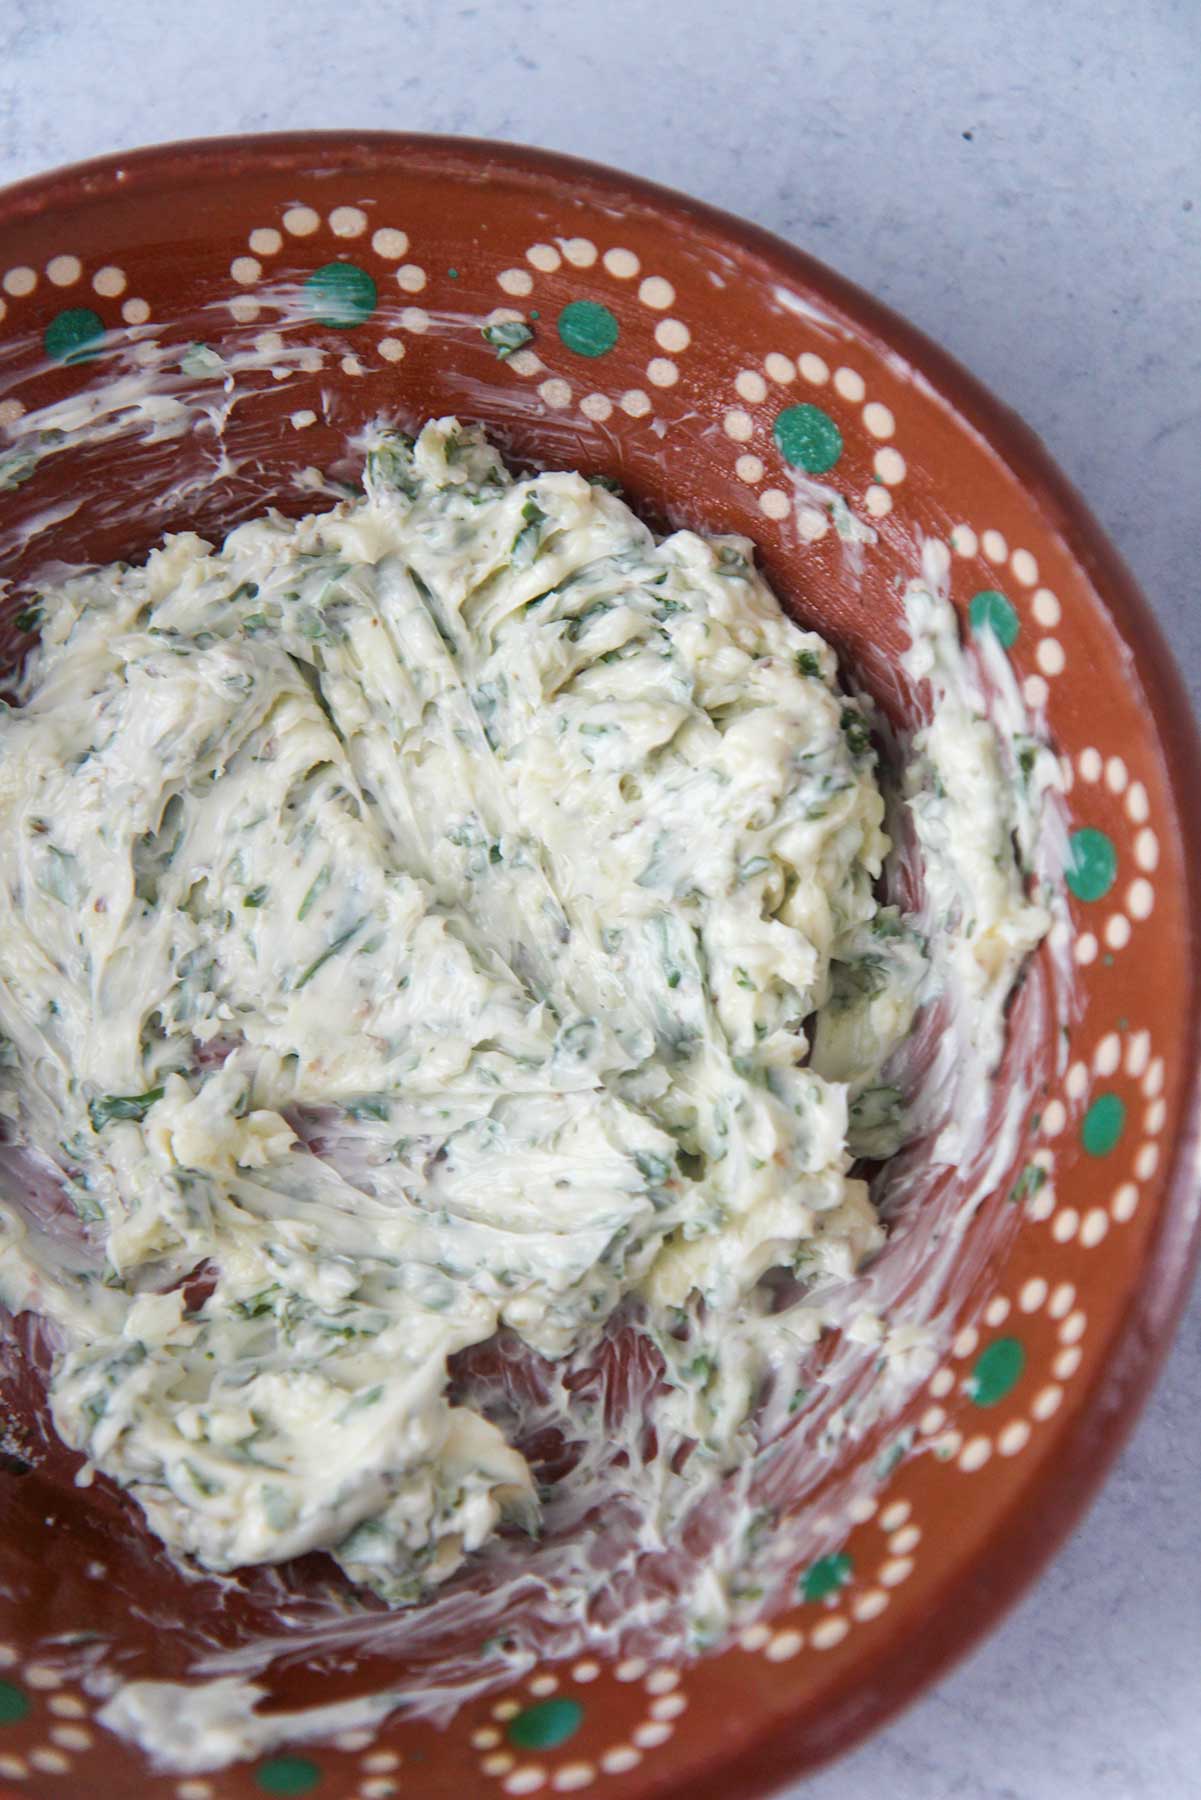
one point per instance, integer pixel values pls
(1024, 185)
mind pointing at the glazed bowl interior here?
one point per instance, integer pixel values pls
(196, 334)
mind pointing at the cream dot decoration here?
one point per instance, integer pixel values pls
(516, 281)
(622, 264)
(672, 335)
(812, 440)
(389, 243)
(108, 281)
(657, 293)
(585, 327)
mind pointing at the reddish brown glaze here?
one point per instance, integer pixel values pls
(707, 320)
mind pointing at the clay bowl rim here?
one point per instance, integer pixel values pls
(970, 1604)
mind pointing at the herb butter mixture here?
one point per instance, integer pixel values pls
(454, 911)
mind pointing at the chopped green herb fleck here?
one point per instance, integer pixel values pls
(102, 1112)
(506, 336)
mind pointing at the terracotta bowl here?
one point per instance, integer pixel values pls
(730, 383)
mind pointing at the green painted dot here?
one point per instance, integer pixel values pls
(1103, 1124)
(341, 294)
(991, 611)
(826, 1576)
(14, 1703)
(453, 273)
(1092, 863)
(534, 313)
(71, 336)
(997, 1371)
(808, 439)
(543, 1726)
(287, 1775)
(588, 328)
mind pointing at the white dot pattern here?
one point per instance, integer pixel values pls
(1117, 931)
(672, 335)
(348, 221)
(109, 281)
(515, 281)
(389, 243)
(657, 293)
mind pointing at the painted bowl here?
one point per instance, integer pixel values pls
(729, 383)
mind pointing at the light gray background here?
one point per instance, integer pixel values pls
(1023, 180)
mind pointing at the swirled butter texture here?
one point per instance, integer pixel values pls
(454, 912)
